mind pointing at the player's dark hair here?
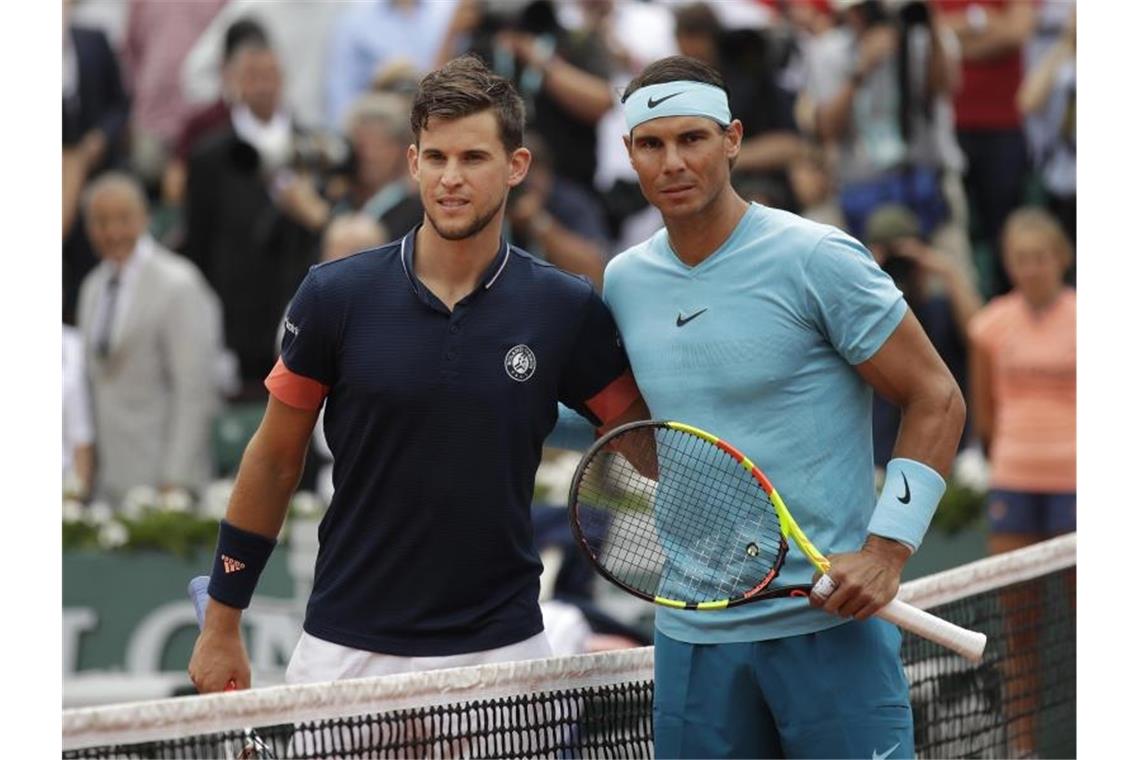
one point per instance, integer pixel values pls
(675, 68)
(465, 86)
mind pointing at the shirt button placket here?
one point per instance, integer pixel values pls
(452, 351)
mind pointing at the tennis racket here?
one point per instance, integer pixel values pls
(252, 748)
(678, 517)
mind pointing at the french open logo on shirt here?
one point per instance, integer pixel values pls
(520, 363)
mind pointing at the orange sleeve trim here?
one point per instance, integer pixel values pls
(615, 398)
(295, 390)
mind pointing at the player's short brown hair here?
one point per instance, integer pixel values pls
(465, 86)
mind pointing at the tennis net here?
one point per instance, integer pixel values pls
(1020, 700)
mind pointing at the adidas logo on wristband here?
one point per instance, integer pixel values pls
(231, 565)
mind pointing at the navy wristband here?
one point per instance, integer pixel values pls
(238, 562)
(910, 495)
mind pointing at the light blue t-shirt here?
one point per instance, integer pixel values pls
(756, 344)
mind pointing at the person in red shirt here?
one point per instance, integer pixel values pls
(991, 34)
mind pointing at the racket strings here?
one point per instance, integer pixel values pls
(682, 520)
(727, 540)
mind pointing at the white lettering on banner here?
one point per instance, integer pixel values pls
(76, 621)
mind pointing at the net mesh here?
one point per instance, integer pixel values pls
(1020, 700)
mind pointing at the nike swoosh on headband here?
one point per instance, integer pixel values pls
(654, 103)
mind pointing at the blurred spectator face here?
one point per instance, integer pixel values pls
(116, 218)
(257, 79)
(1036, 261)
(682, 162)
(464, 173)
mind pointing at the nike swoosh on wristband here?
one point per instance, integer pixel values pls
(905, 498)
(683, 320)
(876, 756)
(654, 103)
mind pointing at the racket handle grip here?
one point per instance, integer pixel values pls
(197, 591)
(969, 644)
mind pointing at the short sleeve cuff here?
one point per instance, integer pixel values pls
(295, 390)
(615, 398)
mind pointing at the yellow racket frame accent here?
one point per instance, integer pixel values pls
(788, 524)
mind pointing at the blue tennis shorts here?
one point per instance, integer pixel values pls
(836, 693)
(1046, 514)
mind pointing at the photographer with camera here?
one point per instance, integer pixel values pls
(939, 292)
(881, 86)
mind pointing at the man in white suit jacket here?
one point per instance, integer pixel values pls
(152, 330)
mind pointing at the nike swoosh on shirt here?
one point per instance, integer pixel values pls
(905, 498)
(654, 103)
(683, 320)
(876, 756)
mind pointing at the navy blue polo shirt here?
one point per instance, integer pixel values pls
(436, 421)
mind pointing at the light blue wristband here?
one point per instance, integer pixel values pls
(911, 492)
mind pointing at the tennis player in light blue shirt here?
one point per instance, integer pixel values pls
(771, 332)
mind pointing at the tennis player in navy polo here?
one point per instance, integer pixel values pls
(440, 360)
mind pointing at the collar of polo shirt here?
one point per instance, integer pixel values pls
(407, 250)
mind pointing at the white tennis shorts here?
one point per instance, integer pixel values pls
(315, 660)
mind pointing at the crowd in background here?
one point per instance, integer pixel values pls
(221, 147)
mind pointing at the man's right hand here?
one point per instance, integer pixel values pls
(219, 661)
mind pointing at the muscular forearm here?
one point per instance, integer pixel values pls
(932, 425)
(262, 490)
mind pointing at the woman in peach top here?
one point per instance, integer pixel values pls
(1023, 388)
(1023, 383)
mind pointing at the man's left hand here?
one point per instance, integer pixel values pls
(865, 580)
